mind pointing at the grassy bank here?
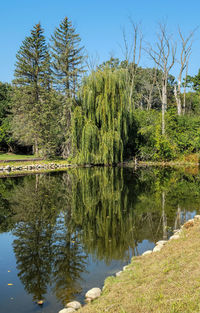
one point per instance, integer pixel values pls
(12, 156)
(166, 282)
(192, 159)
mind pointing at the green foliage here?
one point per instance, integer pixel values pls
(67, 65)
(67, 57)
(34, 105)
(6, 140)
(182, 135)
(102, 124)
(185, 133)
(152, 145)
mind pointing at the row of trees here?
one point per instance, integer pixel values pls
(44, 89)
(117, 111)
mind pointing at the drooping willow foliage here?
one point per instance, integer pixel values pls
(102, 124)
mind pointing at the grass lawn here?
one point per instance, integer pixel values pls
(11, 156)
(163, 282)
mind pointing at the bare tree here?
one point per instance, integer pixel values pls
(150, 88)
(132, 54)
(186, 45)
(184, 88)
(92, 61)
(163, 54)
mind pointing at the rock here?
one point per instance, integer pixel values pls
(118, 273)
(147, 252)
(67, 310)
(7, 168)
(125, 267)
(189, 223)
(176, 236)
(157, 248)
(88, 300)
(74, 305)
(197, 218)
(93, 293)
(161, 242)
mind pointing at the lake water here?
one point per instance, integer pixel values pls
(63, 233)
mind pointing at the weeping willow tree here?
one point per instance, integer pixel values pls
(102, 124)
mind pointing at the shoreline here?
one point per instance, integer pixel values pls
(35, 166)
(134, 275)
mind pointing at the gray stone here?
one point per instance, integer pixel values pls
(176, 236)
(147, 252)
(74, 305)
(88, 300)
(157, 248)
(125, 267)
(197, 217)
(176, 230)
(67, 310)
(7, 168)
(161, 242)
(118, 273)
(93, 293)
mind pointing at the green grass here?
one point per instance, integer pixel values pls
(11, 156)
(164, 282)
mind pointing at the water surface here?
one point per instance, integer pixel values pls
(64, 233)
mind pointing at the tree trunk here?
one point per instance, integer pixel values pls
(164, 103)
(164, 218)
(35, 148)
(178, 99)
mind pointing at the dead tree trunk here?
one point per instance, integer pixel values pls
(164, 58)
(186, 45)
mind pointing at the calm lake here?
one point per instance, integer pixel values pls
(63, 233)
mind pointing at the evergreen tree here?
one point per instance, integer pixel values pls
(32, 99)
(6, 141)
(67, 66)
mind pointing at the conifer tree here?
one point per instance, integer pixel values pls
(67, 64)
(32, 99)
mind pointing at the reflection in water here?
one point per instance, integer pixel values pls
(59, 219)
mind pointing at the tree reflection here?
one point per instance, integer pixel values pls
(62, 218)
(35, 206)
(46, 247)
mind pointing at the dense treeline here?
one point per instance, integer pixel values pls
(115, 111)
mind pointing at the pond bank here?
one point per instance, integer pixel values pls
(166, 281)
(26, 167)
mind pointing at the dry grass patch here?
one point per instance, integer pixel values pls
(166, 282)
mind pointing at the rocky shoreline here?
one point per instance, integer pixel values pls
(34, 167)
(95, 293)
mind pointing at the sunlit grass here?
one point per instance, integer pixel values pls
(11, 156)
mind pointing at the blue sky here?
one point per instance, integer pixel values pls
(99, 24)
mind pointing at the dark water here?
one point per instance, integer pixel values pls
(64, 233)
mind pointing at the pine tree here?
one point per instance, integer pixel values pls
(32, 99)
(67, 66)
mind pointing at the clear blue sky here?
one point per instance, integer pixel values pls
(99, 24)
